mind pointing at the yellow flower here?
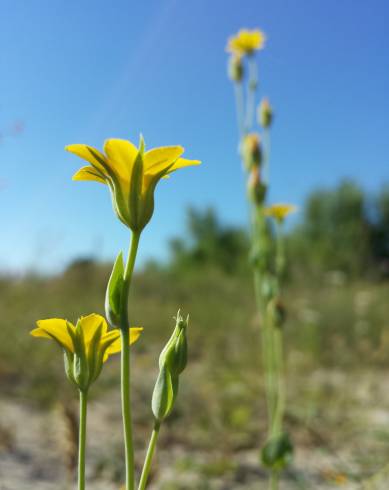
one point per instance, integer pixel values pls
(280, 211)
(246, 42)
(131, 174)
(86, 346)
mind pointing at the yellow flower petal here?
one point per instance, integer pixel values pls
(55, 328)
(183, 162)
(90, 324)
(89, 154)
(280, 211)
(246, 42)
(116, 346)
(121, 155)
(158, 159)
(89, 173)
(132, 190)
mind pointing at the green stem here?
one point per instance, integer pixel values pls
(280, 252)
(258, 232)
(149, 456)
(125, 365)
(279, 357)
(82, 440)
(266, 159)
(273, 482)
(239, 100)
(251, 91)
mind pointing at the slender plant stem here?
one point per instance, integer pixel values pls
(273, 482)
(125, 365)
(82, 440)
(266, 159)
(280, 407)
(149, 456)
(239, 100)
(251, 91)
(271, 340)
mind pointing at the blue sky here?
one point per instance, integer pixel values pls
(81, 72)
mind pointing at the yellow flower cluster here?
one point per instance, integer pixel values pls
(246, 42)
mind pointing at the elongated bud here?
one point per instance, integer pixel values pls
(277, 312)
(252, 153)
(235, 68)
(277, 452)
(172, 362)
(265, 113)
(113, 295)
(256, 189)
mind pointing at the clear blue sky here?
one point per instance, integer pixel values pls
(83, 71)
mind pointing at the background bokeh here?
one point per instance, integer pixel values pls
(82, 72)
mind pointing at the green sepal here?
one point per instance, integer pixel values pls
(114, 292)
(175, 354)
(277, 452)
(147, 203)
(163, 395)
(95, 360)
(135, 194)
(80, 361)
(180, 352)
(142, 146)
(68, 361)
(167, 354)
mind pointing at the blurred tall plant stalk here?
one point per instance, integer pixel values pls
(267, 253)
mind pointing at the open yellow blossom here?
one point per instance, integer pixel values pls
(280, 211)
(86, 346)
(131, 174)
(246, 42)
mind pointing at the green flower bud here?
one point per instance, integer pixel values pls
(277, 312)
(172, 362)
(251, 151)
(265, 113)
(113, 296)
(277, 452)
(235, 68)
(256, 190)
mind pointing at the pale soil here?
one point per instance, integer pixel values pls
(33, 445)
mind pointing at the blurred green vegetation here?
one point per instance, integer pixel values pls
(339, 255)
(337, 321)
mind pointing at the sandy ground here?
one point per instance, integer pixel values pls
(34, 445)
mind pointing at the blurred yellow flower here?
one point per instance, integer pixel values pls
(131, 174)
(246, 42)
(86, 346)
(340, 479)
(280, 211)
